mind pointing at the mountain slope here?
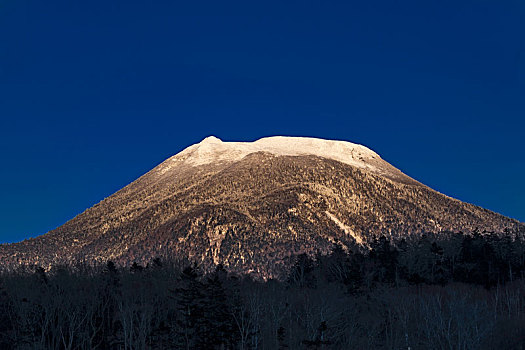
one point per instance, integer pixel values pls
(253, 205)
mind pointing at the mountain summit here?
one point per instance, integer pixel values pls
(253, 205)
(212, 150)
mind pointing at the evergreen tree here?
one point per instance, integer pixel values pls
(106, 317)
(386, 257)
(218, 322)
(191, 326)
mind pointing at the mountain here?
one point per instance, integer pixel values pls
(252, 205)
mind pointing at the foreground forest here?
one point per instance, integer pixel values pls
(450, 291)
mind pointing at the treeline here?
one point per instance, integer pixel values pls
(432, 292)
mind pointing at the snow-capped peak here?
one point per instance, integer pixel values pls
(213, 150)
(210, 139)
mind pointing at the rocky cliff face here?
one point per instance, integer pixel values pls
(252, 206)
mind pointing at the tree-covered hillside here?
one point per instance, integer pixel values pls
(432, 292)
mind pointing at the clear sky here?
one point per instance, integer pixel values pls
(95, 93)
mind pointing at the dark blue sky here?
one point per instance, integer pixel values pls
(95, 93)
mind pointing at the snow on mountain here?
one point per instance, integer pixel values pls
(213, 150)
(249, 205)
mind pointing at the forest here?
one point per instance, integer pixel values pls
(449, 291)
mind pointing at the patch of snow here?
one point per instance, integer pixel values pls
(344, 227)
(212, 149)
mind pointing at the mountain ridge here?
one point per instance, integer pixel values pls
(251, 210)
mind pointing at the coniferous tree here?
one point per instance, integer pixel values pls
(106, 319)
(191, 327)
(218, 322)
(386, 257)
